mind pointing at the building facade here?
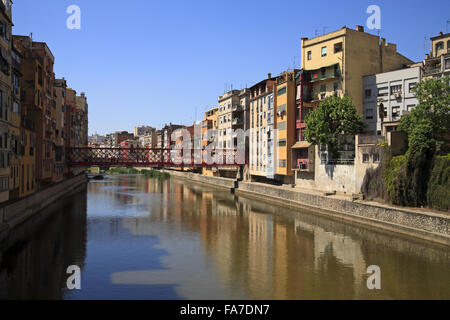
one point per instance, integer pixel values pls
(437, 63)
(387, 97)
(262, 129)
(338, 61)
(6, 128)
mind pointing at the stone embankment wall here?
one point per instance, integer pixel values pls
(411, 222)
(11, 215)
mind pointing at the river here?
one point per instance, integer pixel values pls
(139, 238)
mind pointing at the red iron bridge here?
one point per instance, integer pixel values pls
(153, 157)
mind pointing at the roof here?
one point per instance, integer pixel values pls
(301, 144)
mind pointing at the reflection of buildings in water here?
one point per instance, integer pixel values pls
(184, 265)
(344, 248)
(260, 254)
(35, 268)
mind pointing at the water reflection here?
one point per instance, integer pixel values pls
(168, 239)
(35, 266)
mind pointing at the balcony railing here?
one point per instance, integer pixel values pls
(430, 71)
(335, 74)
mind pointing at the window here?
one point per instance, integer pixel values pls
(15, 107)
(395, 112)
(447, 63)
(396, 89)
(365, 157)
(369, 114)
(282, 91)
(336, 86)
(323, 51)
(376, 157)
(322, 96)
(440, 45)
(412, 85)
(323, 71)
(309, 55)
(282, 163)
(338, 47)
(323, 88)
(282, 143)
(368, 93)
(281, 125)
(383, 91)
(409, 107)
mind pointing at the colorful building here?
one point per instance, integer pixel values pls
(262, 129)
(437, 63)
(285, 112)
(5, 100)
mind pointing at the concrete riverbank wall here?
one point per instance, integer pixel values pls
(411, 222)
(12, 215)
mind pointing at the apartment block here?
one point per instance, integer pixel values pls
(262, 124)
(437, 63)
(40, 101)
(338, 61)
(387, 97)
(6, 127)
(285, 111)
(60, 119)
(209, 130)
(233, 119)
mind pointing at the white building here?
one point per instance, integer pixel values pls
(387, 97)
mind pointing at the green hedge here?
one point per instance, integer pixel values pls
(438, 190)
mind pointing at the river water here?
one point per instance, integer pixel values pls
(139, 238)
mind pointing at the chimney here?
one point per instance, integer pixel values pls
(427, 56)
(360, 28)
(269, 75)
(304, 38)
(441, 34)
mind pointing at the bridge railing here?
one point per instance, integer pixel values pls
(157, 157)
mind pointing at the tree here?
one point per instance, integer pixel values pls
(427, 127)
(432, 113)
(335, 116)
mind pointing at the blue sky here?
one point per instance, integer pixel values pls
(144, 62)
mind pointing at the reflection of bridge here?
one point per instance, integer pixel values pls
(153, 157)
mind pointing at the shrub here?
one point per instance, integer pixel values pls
(438, 191)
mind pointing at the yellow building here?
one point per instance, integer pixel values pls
(209, 124)
(285, 110)
(338, 61)
(437, 63)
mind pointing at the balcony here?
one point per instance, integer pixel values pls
(236, 108)
(431, 71)
(332, 75)
(236, 121)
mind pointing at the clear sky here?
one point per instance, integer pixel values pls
(145, 62)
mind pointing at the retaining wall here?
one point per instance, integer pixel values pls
(15, 213)
(430, 226)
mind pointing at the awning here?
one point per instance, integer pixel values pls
(301, 144)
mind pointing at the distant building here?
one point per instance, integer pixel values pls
(437, 63)
(143, 131)
(387, 97)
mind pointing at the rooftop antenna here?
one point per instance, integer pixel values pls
(316, 32)
(446, 26)
(324, 29)
(424, 44)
